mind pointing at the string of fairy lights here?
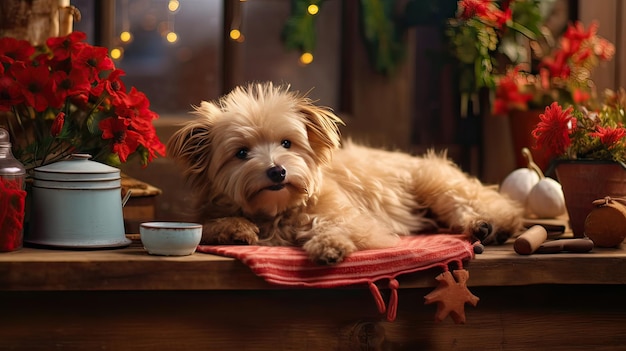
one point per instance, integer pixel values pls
(382, 36)
(307, 57)
(299, 31)
(166, 29)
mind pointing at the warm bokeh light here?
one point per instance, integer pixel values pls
(235, 34)
(171, 37)
(306, 58)
(116, 53)
(173, 5)
(125, 36)
(313, 9)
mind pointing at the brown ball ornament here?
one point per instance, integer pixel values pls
(606, 224)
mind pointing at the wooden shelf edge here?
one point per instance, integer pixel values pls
(132, 268)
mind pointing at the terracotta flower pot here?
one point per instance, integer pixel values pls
(522, 124)
(586, 181)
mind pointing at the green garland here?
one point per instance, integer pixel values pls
(299, 31)
(383, 36)
(381, 33)
(382, 26)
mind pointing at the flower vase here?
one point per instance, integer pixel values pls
(522, 124)
(586, 181)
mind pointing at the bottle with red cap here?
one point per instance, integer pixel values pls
(12, 197)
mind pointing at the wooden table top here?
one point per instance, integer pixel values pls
(132, 268)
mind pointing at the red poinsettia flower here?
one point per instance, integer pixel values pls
(502, 17)
(582, 55)
(140, 118)
(476, 8)
(485, 10)
(62, 47)
(153, 145)
(577, 33)
(125, 141)
(577, 46)
(137, 109)
(113, 86)
(10, 93)
(71, 89)
(580, 96)
(33, 81)
(471, 8)
(557, 64)
(609, 136)
(604, 49)
(64, 85)
(509, 94)
(563, 74)
(94, 58)
(553, 131)
(12, 50)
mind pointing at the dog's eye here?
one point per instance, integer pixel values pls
(242, 154)
(286, 144)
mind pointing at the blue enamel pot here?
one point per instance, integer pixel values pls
(76, 203)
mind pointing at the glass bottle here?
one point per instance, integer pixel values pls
(12, 197)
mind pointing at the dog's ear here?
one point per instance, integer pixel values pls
(191, 144)
(322, 128)
(208, 110)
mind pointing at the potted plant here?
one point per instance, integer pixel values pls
(487, 35)
(67, 97)
(563, 74)
(589, 148)
(503, 48)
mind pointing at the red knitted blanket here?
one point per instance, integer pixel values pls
(290, 266)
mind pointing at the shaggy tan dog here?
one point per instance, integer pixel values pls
(269, 170)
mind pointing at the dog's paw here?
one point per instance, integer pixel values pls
(230, 230)
(328, 249)
(485, 232)
(481, 229)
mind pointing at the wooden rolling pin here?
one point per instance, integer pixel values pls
(533, 241)
(578, 245)
(529, 241)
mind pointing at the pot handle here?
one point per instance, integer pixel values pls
(126, 197)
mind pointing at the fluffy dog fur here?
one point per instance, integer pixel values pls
(269, 169)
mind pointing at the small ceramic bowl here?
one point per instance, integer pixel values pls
(170, 238)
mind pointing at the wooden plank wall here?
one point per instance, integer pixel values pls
(609, 14)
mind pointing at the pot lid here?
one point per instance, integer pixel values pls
(77, 168)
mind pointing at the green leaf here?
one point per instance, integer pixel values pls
(383, 36)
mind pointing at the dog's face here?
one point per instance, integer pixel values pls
(259, 149)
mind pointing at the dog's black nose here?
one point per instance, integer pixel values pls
(277, 174)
